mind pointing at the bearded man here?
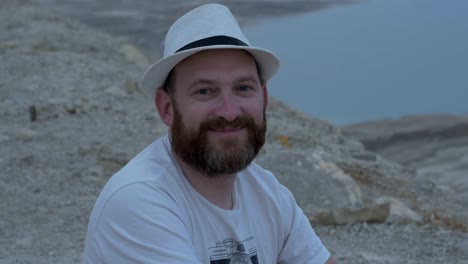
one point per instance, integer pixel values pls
(195, 195)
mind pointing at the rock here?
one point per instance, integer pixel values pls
(131, 86)
(399, 212)
(133, 55)
(32, 113)
(116, 91)
(353, 190)
(26, 134)
(317, 185)
(339, 216)
(435, 147)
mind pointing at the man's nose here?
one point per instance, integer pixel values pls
(228, 107)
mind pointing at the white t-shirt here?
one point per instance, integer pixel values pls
(148, 212)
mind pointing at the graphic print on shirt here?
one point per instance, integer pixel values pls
(230, 251)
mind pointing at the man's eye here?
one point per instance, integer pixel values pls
(204, 91)
(245, 88)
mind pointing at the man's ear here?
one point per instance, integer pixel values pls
(163, 103)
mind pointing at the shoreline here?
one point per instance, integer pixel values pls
(127, 20)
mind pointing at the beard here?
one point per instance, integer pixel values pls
(230, 156)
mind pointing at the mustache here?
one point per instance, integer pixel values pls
(221, 123)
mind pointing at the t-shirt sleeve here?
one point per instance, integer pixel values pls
(140, 225)
(301, 244)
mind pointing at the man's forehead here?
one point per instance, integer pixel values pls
(218, 59)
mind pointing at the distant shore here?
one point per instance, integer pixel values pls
(144, 23)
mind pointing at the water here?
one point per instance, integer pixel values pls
(349, 63)
(373, 60)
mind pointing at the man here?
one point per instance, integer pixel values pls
(194, 195)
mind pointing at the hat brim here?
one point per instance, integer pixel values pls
(156, 74)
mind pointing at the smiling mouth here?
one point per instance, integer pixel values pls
(227, 129)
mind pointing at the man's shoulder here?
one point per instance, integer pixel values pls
(148, 174)
(152, 169)
(150, 165)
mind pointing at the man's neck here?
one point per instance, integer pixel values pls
(216, 189)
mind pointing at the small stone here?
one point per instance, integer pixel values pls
(133, 55)
(116, 91)
(340, 216)
(409, 228)
(70, 107)
(33, 113)
(399, 212)
(26, 134)
(131, 86)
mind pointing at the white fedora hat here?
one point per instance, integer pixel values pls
(210, 26)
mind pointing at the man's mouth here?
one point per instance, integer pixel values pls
(227, 130)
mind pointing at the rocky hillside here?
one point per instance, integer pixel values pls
(433, 147)
(72, 115)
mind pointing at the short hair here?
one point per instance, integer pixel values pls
(168, 85)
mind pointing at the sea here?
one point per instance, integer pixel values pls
(371, 60)
(379, 59)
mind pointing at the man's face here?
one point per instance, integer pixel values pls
(218, 105)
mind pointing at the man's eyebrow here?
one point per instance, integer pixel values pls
(201, 81)
(247, 78)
